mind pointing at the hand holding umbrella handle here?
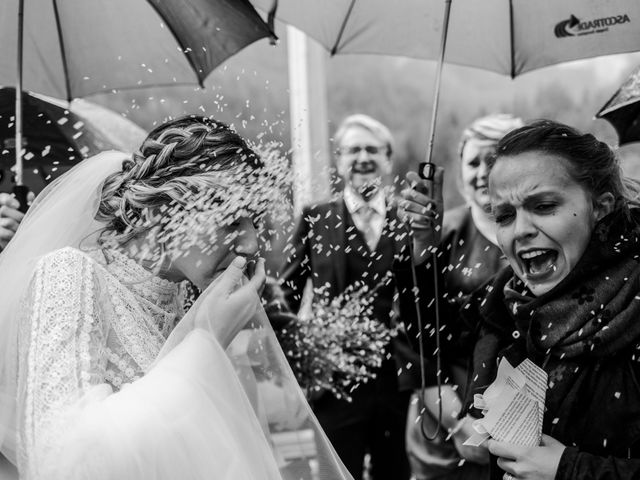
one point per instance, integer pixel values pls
(422, 208)
(21, 192)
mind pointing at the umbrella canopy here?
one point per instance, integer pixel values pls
(623, 109)
(57, 136)
(74, 48)
(508, 37)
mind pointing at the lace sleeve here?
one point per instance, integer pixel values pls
(62, 344)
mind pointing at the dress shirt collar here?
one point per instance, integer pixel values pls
(354, 202)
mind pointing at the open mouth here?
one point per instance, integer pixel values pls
(364, 168)
(368, 189)
(539, 263)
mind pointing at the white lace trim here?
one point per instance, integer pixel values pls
(63, 352)
(91, 322)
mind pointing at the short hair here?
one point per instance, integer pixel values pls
(368, 123)
(490, 128)
(592, 163)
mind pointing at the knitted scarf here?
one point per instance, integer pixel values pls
(595, 310)
(591, 316)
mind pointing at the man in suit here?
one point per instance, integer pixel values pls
(355, 238)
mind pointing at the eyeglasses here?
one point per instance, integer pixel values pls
(370, 149)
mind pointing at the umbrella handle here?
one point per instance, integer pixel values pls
(21, 192)
(426, 170)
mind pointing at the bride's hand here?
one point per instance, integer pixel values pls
(228, 304)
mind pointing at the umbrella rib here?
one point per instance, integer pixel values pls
(334, 49)
(604, 111)
(183, 48)
(512, 40)
(141, 87)
(63, 52)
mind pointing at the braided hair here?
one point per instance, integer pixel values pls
(178, 158)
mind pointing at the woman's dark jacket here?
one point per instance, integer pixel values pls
(585, 333)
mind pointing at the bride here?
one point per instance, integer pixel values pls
(102, 373)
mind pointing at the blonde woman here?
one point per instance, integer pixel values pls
(104, 376)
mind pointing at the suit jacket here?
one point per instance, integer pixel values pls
(317, 251)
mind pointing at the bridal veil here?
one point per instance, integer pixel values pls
(200, 411)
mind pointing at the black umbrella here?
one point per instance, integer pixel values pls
(623, 109)
(57, 136)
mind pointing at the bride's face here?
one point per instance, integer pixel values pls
(202, 267)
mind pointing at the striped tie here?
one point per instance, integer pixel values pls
(366, 214)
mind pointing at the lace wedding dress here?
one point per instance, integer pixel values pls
(96, 323)
(104, 377)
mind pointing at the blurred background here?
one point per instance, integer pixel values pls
(251, 91)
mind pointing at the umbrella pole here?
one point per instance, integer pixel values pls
(430, 170)
(19, 190)
(427, 171)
